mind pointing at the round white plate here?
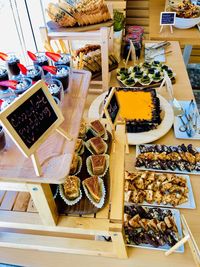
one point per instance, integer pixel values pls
(95, 111)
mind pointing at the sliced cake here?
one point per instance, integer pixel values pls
(97, 127)
(93, 187)
(74, 164)
(97, 144)
(140, 108)
(72, 187)
(98, 164)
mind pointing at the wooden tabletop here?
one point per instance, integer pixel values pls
(137, 257)
(55, 154)
(184, 36)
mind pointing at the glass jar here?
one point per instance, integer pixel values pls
(56, 88)
(41, 60)
(35, 73)
(8, 96)
(65, 59)
(12, 62)
(2, 139)
(23, 84)
(3, 76)
(62, 75)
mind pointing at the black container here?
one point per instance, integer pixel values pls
(63, 78)
(21, 89)
(64, 60)
(12, 62)
(34, 76)
(2, 139)
(3, 76)
(42, 60)
(58, 91)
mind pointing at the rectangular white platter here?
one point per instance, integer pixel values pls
(160, 170)
(176, 216)
(190, 204)
(178, 123)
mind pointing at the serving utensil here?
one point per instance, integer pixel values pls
(158, 54)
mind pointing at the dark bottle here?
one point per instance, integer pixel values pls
(3, 76)
(12, 62)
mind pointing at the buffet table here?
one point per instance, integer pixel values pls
(36, 256)
(186, 37)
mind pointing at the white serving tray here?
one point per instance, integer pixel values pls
(160, 170)
(176, 216)
(190, 204)
(178, 123)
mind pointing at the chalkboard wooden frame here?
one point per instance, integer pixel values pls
(17, 103)
(112, 93)
(163, 13)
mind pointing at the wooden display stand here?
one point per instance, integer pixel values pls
(38, 225)
(100, 36)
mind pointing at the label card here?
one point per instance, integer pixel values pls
(31, 118)
(167, 18)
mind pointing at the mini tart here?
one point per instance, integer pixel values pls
(122, 71)
(170, 73)
(138, 74)
(155, 63)
(130, 82)
(151, 70)
(146, 65)
(123, 76)
(145, 80)
(157, 77)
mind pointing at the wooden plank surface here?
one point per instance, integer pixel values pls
(31, 206)
(22, 200)
(55, 154)
(8, 200)
(2, 193)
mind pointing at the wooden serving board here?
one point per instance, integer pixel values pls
(84, 206)
(52, 27)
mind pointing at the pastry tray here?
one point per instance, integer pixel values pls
(176, 216)
(170, 171)
(151, 85)
(84, 206)
(190, 204)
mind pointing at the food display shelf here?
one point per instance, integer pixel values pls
(27, 204)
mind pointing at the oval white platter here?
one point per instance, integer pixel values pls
(95, 111)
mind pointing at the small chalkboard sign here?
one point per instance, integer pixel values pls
(167, 18)
(111, 108)
(31, 118)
